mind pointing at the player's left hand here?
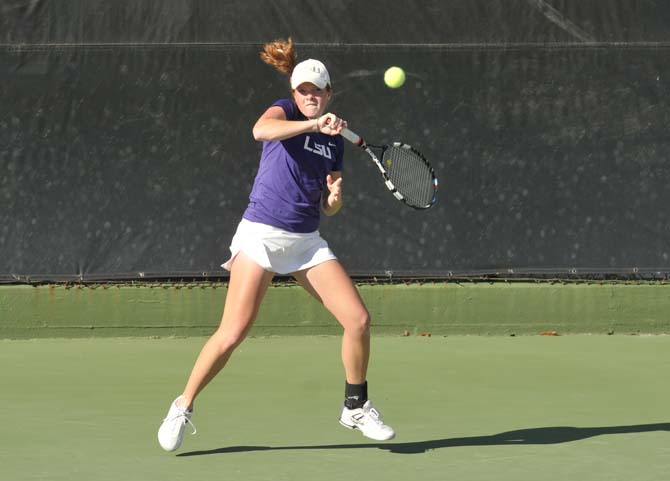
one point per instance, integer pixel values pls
(335, 189)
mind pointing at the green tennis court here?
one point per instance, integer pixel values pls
(467, 408)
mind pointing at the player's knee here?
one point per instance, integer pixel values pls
(360, 322)
(229, 340)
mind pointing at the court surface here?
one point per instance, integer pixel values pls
(466, 408)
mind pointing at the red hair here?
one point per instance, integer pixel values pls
(280, 54)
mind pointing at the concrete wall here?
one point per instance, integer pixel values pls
(499, 308)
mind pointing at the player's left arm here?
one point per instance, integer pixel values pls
(331, 198)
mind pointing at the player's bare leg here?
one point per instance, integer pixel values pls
(247, 287)
(248, 284)
(331, 285)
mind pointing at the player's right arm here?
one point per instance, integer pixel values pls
(273, 125)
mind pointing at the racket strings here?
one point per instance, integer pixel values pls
(411, 175)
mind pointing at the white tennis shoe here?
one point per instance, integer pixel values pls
(368, 421)
(171, 432)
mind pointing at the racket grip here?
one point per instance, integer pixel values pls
(352, 137)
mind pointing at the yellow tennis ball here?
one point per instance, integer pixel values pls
(394, 77)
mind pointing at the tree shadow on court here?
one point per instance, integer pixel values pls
(546, 435)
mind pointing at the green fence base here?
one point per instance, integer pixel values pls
(449, 308)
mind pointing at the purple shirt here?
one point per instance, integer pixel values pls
(292, 175)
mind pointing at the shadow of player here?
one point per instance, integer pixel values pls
(544, 435)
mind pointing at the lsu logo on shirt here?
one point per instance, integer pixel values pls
(319, 149)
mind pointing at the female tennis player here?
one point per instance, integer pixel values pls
(300, 174)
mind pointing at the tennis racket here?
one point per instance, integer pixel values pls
(406, 173)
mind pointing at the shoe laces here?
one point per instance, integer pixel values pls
(182, 415)
(374, 415)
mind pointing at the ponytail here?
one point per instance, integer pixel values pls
(280, 54)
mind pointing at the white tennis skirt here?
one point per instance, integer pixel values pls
(277, 250)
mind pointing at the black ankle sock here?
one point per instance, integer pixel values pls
(355, 395)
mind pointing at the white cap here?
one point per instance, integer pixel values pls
(311, 71)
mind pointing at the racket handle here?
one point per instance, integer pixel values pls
(352, 137)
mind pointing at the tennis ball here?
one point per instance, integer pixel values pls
(394, 77)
